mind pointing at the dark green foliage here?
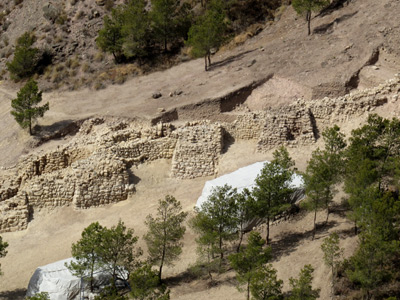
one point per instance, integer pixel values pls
(273, 187)
(110, 37)
(164, 22)
(110, 293)
(165, 233)
(215, 220)
(145, 285)
(244, 212)
(308, 6)
(332, 254)
(248, 260)
(3, 251)
(208, 32)
(110, 251)
(371, 175)
(374, 262)
(302, 287)
(25, 109)
(324, 171)
(25, 58)
(117, 251)
(39, 296)
(85, 252)
(265, 285)
(135, 29)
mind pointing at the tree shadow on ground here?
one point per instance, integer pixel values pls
(57, 130)
(229, 60)
(328, 28)
(289, 241)
(17, 294)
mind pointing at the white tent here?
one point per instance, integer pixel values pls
(58, 281)
(244, 178)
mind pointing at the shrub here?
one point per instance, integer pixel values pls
(25, 57)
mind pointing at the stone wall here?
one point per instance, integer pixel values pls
(197, 150)
(289, 127)
(14, 215)
(92, 169)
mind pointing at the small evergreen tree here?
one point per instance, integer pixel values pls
(117, 252)
(247, 261)
(216, 218)
(164, 22)
(208, 32)
(25, 57)
(273, 187)
(110, 38)
(244, 213)
(308, 6)
(302, 287)
(85, 253)
(3, 251)
(25, 109)
(135, 29)
(145, 285)
(332, 254)
(165, 233)
(265, 285)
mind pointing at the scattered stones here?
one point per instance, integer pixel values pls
(156, 95)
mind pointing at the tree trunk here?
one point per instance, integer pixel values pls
(240, 241)
(267, 239)
(205, 62)
(327, 215)
(309, 22)
(315, 224)
(30, 127)
(209, 58)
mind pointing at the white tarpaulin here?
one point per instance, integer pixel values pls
(240, 179)
(58, 281)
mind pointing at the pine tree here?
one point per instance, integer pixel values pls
(248, 260)
(332, 254)
(135, 29)
(265, 285)
(25, 109)
(273, 187)
(110, 38)
(145, 284)
(324, 171)
(25, 58)
(164, 22)
(208, 32)
(85, 253)
(302, 287)
(308, 6)
(165, 233)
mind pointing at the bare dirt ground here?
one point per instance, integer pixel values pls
(308, 66)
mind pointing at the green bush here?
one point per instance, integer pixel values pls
(25, 58)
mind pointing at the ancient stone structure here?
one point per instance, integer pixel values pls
(197, 151)
(94, 167)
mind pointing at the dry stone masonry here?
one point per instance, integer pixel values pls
(197, 151)
(93, 169)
